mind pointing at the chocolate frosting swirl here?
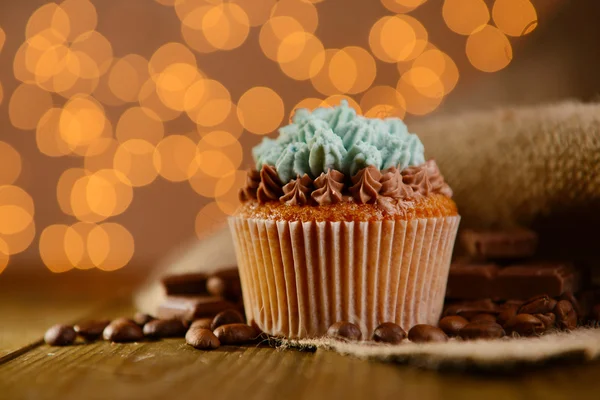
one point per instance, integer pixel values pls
(252, 182)
(438, 183)
(270, 187)
(296, 192)
(393, 186)
(366, 185)
(425, 179)
(329, 187)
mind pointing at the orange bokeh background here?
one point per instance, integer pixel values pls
(127, 125)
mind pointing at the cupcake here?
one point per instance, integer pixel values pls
(343, 220)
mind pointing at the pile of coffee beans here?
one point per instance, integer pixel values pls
(387, 332)
(227, 328)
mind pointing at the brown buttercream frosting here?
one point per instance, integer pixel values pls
(366, 185)
(438, 183)
(297, 191)
(425, 179)
(270, 187)
(252, 182)
(329, 187)
(393, 186)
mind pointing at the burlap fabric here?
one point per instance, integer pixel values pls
(537, 167)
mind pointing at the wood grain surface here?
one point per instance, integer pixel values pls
(171, 369)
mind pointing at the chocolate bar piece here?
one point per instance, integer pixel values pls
(471, 281)
(184, 284)
(528, 280)
(225, 283)
(509, 244)
(190, 308)
(515, 282)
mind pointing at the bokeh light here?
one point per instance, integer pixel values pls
(76, 244)
(126, 77)
(27, 105)
(17, 227)
(82, 121)
(174, 156)
(260, 110)
(301, 55)
(140, 123)
(441, 65)
(97, 47)
(352, 70)
(218, 154)
(134, 159)
(226, 26)
(402, 6)
(230, 124)
(4, 255)
(210, 105)
(465, 16)
(169, 54)
(52, 248)
(258, 12)
(82, 17)
(310, 103)
(110, 246)
(209, 219)
(191, 27)
(303, 12)
(383, 102)
(274, 32)
(49, 17)
(173, 83)
(228, 200)
(397, 38)
(2, 38)
(336, 100)
(11, 164)
(149, 100)
(489, 49)
(515, 17)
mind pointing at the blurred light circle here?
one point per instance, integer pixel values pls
(134, 159)
(4, 255)
(489, 49)
(97, 47)
(173, 83)
(258, 11)
(2, 38)
(104, 94)
(417, 103)
(321, 81)
(49, 16)
(169, 54)
(11, 164)
(229, 201)
(231, 124)
(441, 64)
(402, 6)
(20, 241)
(52, 249)
(108, 193)
(343, 71)
(213, 107)
(191, 30)
(174, 156)
(13, 219)
(17, 228)
(303, 12)
(183, 8)
(82, 16)
(27, 105)
(274, 32)
(226, 26)
(301, 55)
(64, 188)
(209, 219)
(149, 100)
(214, 163)
(82, 121)
(110, 246)
(204, 184)
(515, 17)
(310, 103)
(366, 68)
(76, 244)
(100, 154)
(140, 123)
(218, 153)
(336, 99)
(398, 38)
(465, 16)
(260, 110)
(383, 102)
(426, 81)
(127, 76)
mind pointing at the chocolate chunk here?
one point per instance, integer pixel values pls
(508, 244)
(452, 324)
(236, 334)
(577, 305)
(202, 339)
(483, 317)
(388, 332)
(469, 309)
(142, 319)
(538, 305)
(471, 281)
(529, 280)
(226, 284)
(192, 307)
(508, 310)
(203, 323)
(91, 330)
(482, 330)
(165, 328)
(426, 333)
(566, 317)
(524, 325)
(548, 319)
(225, 318)
(185, 284)
(344, 330)
(123, 330)
(60, 335)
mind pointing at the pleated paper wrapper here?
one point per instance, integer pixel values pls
(298, 278)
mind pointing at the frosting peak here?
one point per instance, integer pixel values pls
(329, 187)
(296, 192)
(270, 185)
(366, 185)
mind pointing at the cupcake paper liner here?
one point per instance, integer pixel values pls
(298, 278)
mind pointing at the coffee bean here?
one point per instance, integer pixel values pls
(482, 330)
(388, 332)
(60, 335)
(566, 317)
(202, 339)
(225, 318)
(524, 325)
(203, 323)
(451, 325)
(235, 334)
(165, 328)
(548, 319)
(123, 330)
(483, 317)
(91, 330)
(538, 305)
(508, 311)
(142, 319)
(426, 333)
(344, 330)
(469, 309)
(579, 308)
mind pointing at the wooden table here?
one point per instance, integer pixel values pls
(169, 369)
